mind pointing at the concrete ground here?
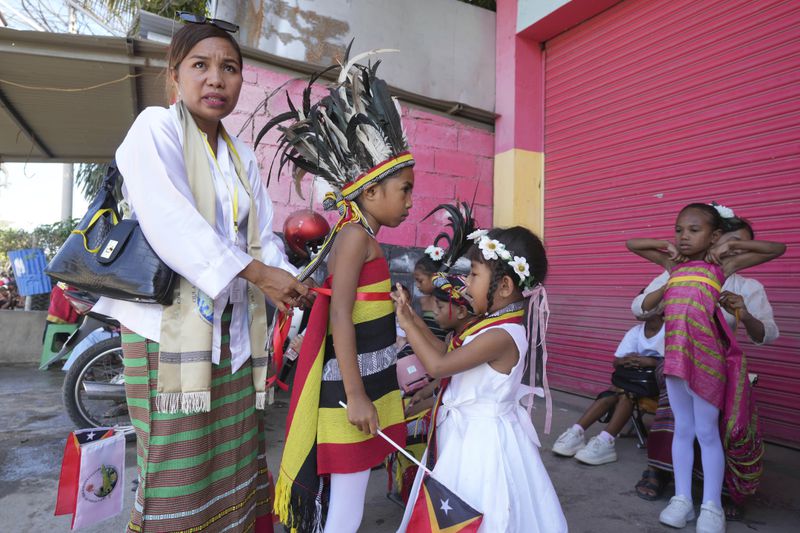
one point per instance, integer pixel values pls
(33, 426)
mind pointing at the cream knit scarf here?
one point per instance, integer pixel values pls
(184, 361)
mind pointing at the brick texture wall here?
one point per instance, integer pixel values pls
(454, 160)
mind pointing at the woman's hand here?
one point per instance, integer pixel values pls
(283, 289)
(361, 413)
(734, 304)
(308, 300)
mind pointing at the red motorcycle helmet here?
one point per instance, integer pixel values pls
(304, 231)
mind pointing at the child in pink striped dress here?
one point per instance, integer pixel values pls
(705, 369)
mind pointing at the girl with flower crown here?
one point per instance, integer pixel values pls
(705, 370)
(484, 447)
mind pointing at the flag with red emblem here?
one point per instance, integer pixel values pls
(92, 476)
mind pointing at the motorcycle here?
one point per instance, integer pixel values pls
(94, 386)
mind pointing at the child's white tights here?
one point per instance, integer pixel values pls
(346, 505)
(695, 417)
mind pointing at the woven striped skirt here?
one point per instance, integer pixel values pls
(203, 471)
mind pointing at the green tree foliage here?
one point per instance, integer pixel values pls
(12, 239)
(165, 8)
(49, 237)
(88, 177)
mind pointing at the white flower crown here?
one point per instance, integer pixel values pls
(724, 212)
(492, 249)
(434, 252)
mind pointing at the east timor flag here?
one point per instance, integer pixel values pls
(438, 510)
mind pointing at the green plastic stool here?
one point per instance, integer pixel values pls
(55, 334)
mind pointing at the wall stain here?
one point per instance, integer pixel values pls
(316, 32)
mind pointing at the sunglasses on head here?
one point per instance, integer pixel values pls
(193, 18)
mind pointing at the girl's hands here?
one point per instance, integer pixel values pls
(674, 254)
(405, 315)
(717, 252)
(362, 413)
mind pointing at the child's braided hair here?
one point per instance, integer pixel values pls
(519, 241)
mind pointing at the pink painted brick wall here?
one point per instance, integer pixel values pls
(453, 159)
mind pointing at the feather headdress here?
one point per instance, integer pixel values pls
(461, 223)
(351, 138)
(450, 288)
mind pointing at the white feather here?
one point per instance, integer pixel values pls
(346, 68)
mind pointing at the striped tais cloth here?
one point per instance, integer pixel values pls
(319, 438)
(701, 349)
(694, 349)
(203, 471)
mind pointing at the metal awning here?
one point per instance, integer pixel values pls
(71, 98)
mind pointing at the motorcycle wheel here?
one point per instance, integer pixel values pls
(100, 364)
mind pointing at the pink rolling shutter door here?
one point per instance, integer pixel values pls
(649, 106)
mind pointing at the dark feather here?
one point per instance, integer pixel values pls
(283, 117)
(326, 141)
(461, 224)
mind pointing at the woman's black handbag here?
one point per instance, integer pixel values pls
(110, 257)
(637, 381)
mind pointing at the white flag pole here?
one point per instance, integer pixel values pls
(397, 447)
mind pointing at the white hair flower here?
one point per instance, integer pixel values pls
(724, 212)
(434, 252)
(504, 254)
(477, 235)
(490, 248)
(520, 266)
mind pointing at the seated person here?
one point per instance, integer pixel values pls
(642, 347)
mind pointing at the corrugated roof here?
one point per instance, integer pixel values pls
(72, 97)
(108, 81)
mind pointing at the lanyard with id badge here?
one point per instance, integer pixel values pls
(238, 285)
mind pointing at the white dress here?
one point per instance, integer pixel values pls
(489, 450)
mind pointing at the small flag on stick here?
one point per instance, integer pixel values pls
(90, 487)
(437, 509)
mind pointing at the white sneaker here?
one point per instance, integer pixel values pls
(679, 511)
(597, 452)
(569, 442)
(711, 519)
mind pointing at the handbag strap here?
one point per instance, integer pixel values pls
(92, 222)
(107, 188)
